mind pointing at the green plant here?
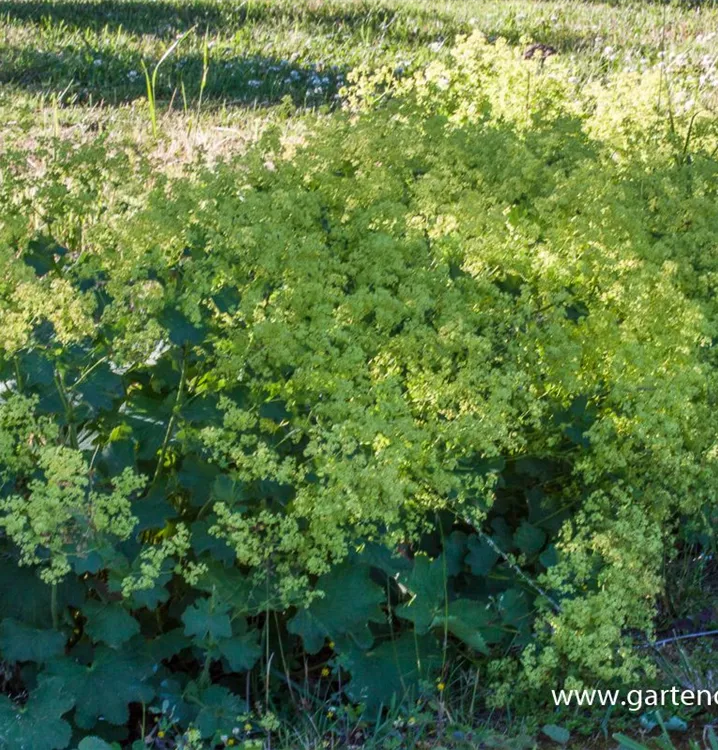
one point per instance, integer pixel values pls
(435, 387)
(151, 81)
(665, 742)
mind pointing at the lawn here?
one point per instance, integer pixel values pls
(78, 66)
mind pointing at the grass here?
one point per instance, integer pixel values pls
(200, 79)
(77, 66)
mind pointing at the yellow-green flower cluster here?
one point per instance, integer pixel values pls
(60, 511)
(445, 271)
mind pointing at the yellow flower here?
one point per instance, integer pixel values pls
(160, 734)
(440, 687)
(247, 727)
(325, 672)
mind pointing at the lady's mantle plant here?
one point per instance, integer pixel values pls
(442, 378)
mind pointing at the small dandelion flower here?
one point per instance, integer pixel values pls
(160, 734)
(331, 645)
(247, 727)
(411, 721)
(441, 687)
(325, 672)
(231, 741)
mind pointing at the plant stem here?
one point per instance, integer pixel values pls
(524, 576)
(53, 606)
(173, 418)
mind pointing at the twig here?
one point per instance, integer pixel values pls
(173, 417)
(673, 639)
(524, 576)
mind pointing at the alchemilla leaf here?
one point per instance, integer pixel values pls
(20, 642)
(220, 709)
(350, 600)
(39, 724)
(107, 686)
(206, 620)
(109, 623)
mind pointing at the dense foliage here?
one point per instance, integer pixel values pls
(439, 380)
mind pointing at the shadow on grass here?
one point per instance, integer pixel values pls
(111, 71)
(166, 17)
(84, 75)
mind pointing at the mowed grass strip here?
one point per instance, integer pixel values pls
(262, 51)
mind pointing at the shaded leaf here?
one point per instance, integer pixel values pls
(427, 585)
(95, 743)
(220, 710)
(529, 539)
(109, 623)
(242, 651)
(20, 642)
(197, 476)
(101, 388)
(557, 733)
(482, 556)
(205, 619)
(455, 552)
(168, 644)
(180, 330)
(203, 541)
(32, 608)
(464, 618)
(549, 557)
(351, 600)
(391, 670)
(229, 586)
(38, 725)
(107, 686)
